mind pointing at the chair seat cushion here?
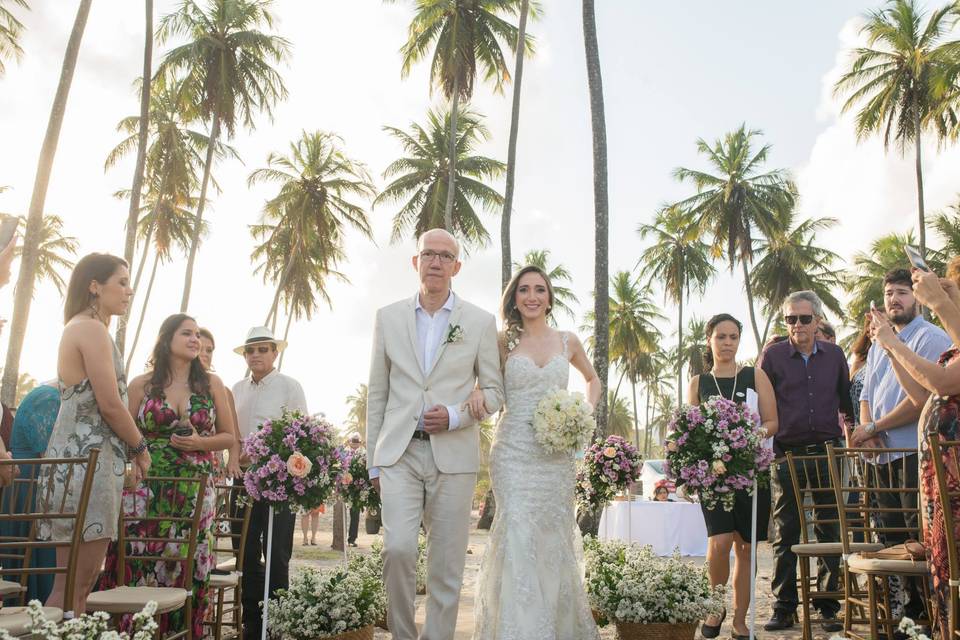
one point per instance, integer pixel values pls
(8, 588)
(16, 621)
(133, 599)
(832, 548)
(227, 565)
(859, 564)
(224, 580)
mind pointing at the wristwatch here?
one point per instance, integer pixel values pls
(870, 428)
(140, 448)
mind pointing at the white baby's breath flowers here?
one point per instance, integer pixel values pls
(563, 422)
(90, 626)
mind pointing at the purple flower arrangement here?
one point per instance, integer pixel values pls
(607, 467)
(715, 449)
(293, 461)
(354, 486)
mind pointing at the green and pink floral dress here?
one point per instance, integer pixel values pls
(157, 420)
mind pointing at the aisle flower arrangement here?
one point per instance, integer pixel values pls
(607, 467)
(89, 626)
(354, 486)
(326, 604)
(716, 448)
(292, 461)
(563, 422)
(628, 584)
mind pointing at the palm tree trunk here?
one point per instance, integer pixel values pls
(273, 313)
(31, 238)
(141, 263)
(766, 328)
(917, 131)
(753, 315)
(286, 332)
(616, 391)
(198, 218)
(143, 311)
(505, 258)
(647, 427)
(680, 352)
(133, 215)
(601, 335)
(452, 151)
(636, 413)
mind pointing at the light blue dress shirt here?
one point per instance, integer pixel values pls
(883, 391)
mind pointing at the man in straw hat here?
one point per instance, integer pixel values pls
(262, 396)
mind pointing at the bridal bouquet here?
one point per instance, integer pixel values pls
(293, 461)
(355, 487)
(716, 448)
(607, 467)
(563, 422)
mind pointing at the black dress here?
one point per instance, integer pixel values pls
(719, 521)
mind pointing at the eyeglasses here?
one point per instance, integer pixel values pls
(804, 319)
(252, 350)
(445, 257)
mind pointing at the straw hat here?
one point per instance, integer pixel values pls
(259, 335)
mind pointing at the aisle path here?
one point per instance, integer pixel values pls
(321, 555)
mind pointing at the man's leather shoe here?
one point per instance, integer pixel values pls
(779, 620)
(830, 622)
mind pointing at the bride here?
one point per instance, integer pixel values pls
(530, 585)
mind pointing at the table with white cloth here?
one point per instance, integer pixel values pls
(664, 525)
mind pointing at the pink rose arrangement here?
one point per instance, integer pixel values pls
(715, 449)
(293, 461)
(607, 467)
(354, 486)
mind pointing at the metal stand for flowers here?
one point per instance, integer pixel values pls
(753, 560)
(266, 581)
(343, 507)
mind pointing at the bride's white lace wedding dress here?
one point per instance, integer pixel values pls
(530, 585)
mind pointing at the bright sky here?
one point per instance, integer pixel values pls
(672, 72)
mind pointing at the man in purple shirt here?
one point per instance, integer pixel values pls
(812, 384)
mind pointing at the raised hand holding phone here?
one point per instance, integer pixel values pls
(913, 255)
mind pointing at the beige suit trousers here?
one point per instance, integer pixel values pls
(414, 489)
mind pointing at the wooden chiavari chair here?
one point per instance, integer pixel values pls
(948, 494)
(230, 527)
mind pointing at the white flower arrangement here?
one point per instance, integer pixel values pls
(563, 422)
(320, 604)
(93, 626)
(629, 583)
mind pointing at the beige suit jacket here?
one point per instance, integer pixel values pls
(400, 386)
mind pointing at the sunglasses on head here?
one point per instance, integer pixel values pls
(804, 319)
(261, 349)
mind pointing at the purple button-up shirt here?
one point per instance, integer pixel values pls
(811, 393)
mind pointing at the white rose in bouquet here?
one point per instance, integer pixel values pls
(563, 422)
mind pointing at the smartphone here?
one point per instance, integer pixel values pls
(8, 227)
(185, 432)
(915, 258)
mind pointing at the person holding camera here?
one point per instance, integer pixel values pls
(183, 413)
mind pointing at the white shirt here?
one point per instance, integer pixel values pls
(431, 332)
(265, 400)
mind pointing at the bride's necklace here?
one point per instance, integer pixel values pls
(733, 391)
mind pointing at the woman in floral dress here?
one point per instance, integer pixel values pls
(177, 392)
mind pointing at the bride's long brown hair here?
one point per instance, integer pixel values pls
(512, 322)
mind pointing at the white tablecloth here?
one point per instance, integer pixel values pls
(664, 525)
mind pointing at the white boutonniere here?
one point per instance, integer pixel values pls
(454, 334)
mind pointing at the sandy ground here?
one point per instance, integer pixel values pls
(322, 555)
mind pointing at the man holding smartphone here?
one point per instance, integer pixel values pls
(262, 396)
(887, 412)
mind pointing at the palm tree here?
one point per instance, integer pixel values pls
(622, 420)
(563, 296)
(32, 236)
(130, 243)
(228, 65)
(656, 372)
(53, 251)
(792, 260)
(740, 198)
(688, 354)
(947, 225)
(25, 384)
(864, 281)
(679, 260)
(461, 35)
(304, 227)
(10, 30)
(420, 179)
(357, 411)
(505, 257)
(601, 360)
(892, 80)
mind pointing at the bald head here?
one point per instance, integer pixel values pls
(434, 237)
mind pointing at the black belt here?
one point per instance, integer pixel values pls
(817, 447)
(420, 435)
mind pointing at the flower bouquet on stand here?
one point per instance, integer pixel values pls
(716, 448)
(293, 464)
(355, 488)
(607, 467)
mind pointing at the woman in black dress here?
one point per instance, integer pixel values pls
(728, 530)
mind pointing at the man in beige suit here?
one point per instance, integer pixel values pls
(423, 447)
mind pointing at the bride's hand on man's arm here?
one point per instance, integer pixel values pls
(477, 405)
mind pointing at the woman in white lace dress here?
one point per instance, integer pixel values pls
(531, 578)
